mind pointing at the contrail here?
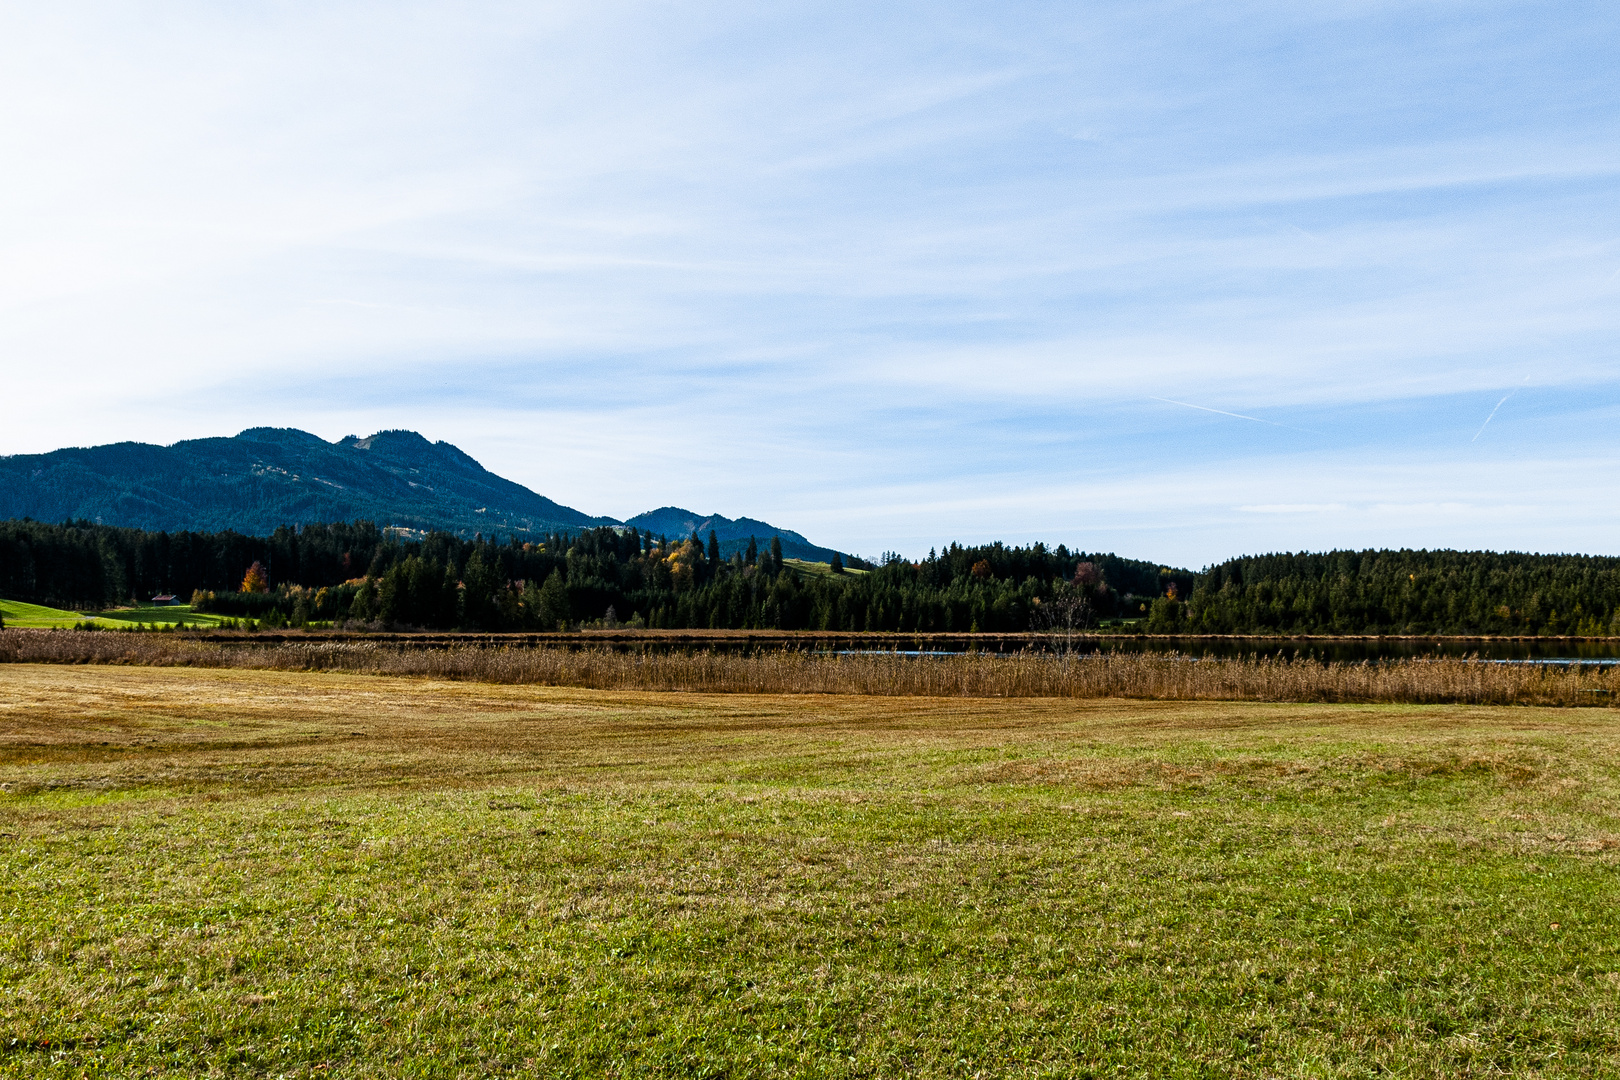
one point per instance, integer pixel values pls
(1499, 404)
(1223, 412)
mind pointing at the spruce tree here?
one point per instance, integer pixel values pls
(714, 549)
(776, 554)
(449, 600)
(479, 585)
(554, 610)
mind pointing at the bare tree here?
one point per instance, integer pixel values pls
(1067, 614)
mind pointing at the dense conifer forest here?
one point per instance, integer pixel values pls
(1408, 592)
(366, 575)
(360, 574)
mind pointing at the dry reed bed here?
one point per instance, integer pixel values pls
(1161, 677)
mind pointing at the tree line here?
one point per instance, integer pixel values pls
(1407, 592)
(79, 565)
(361, 573)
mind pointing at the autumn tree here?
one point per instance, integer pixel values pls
(255, 580)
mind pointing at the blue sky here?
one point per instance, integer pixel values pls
(1178, 280)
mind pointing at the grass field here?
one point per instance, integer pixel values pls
(157, 616)
(816, 569)
(264, 873)
(33, 616)
(18, 614)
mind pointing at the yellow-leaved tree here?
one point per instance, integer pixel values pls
(255, 580)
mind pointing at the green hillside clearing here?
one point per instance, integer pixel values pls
(19, 614)
(36, 616)
(154, 615)
(816, 569)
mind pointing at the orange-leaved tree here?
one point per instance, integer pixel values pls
(255, 580)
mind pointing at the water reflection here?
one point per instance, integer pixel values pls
(1603, 653)
(1355, 650)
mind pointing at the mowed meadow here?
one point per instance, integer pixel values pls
(250, 872)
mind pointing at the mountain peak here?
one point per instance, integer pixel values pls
(287, 436)
(733, 534)
(265, 477)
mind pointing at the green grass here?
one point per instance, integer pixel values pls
(257, 874)
(34, 616)
(816, 569)
(18, 614)
(153, 615)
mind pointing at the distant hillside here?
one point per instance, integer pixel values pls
(267, 477)
(675, 523)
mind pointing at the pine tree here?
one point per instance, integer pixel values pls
(714, 549)
(554, 610)
(776, 554)
(480, 583)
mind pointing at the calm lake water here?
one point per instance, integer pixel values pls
(1522, 652)
(1386, 649)
(1528, 651)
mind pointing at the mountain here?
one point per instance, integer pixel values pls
(733, 534)
(266, 477)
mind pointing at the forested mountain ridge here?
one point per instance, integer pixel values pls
(733, 534)
(265, 478)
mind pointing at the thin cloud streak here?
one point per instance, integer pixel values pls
(1223, 412)
(1494, 411)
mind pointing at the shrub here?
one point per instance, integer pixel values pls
(250, 604)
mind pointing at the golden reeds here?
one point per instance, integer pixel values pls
(1420, 680)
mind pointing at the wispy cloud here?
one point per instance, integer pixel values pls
(1295, 508)
(848, 265)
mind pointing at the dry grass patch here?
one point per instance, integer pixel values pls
(1424, 680)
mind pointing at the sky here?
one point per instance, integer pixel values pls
(1181, 281)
